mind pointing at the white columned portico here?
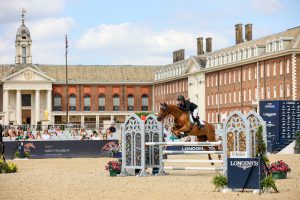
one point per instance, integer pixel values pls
(18, 108)
(49, 103)
(5, 107)
(37, 106)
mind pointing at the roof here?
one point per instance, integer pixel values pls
(292, 32)
(90, 73)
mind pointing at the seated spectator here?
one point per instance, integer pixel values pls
(29, 136)
(95, 136)
(46, 135)
(11, 132)
(38, 135)
(74, 132)
(20, 135)
(110, 133)
(58, 131)
(84, 135)
(52, 130)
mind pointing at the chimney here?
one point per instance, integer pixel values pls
(238, 33)
(248, 32)
(178, 55)
(208, 44)
(200, 46)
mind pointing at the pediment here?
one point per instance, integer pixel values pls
(29, 75)
(192, 66)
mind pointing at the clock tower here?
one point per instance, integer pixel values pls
(23, 43)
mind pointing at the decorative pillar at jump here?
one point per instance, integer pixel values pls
(37, 106)
(49, 103)
(18, 108)
(5, 107)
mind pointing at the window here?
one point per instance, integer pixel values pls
(239, 75)
(229, 97)
(288, 92)
(281, 90)
(234, 97)
(274, 69)
(144, 102)
(268, 92)
(116, 102)
(208, 100)
(262, 92)
(249, 93)
(23, 55)
(268, 69)
(207, 81)
(87, 103)
(229, 77)
(245, 95)
(249, 74)
(262, 71)
(72, 106)
(212, 99)
(274, 91)
(225, 98)
(217, 99)
(221, 100)
(225, 78)
(240, 96)
(255, 93)
(57, 102)
(216, 80)
(26, 99)
(288, 66)
(221, 79)
(101, 102)
(281, 67)
(234, 75)
(244, 75)
(255, 72)
(130, 102)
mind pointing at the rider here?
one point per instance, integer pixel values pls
(186, 105)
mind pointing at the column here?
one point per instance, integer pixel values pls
(49, 103)
(5, 107)
(37, 106)
(18, 108)
(97, 122)
(82, 121)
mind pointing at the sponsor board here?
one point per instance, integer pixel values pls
(190, 148)
(244, 173)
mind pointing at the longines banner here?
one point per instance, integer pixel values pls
(244, 173)
(62, 149)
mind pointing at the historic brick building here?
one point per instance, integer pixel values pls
(31, 94)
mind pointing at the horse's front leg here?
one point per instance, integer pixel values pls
(184, 128)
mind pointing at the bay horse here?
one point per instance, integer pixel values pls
(183, 124)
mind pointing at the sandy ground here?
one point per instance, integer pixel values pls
(87, 179)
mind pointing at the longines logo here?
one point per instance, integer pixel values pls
(244, 164)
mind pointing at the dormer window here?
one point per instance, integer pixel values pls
(24, 37)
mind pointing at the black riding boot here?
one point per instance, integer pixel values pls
(198, 122)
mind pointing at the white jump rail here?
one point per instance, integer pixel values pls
(191, 161)
(184, 143)
(195, 168)
(192, 152)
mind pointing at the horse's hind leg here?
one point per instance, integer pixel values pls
(209, 158)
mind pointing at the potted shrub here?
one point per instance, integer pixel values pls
(268, 184)
(114, 167)
(7, 167)
(220, 182)
(297, 142)
(279, 169)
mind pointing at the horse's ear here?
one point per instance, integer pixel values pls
(161, 103)
(165, 105)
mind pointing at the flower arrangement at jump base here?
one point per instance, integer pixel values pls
(279, 169)
(114, 167)
(7, 167)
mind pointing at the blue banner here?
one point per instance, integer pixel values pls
(244, 173)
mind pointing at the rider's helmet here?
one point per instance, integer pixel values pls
(180, 98)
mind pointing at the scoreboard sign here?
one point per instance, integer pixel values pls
(282, 121)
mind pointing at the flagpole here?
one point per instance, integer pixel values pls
(67, 90)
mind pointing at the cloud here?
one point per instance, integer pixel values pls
(36, 8)
(129, 43)
(267, 6)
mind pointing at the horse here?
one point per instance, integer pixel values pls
(183, 124)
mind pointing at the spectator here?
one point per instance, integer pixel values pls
(74, 132)
(46, 135)
(95, 136)
(110, 133)
(38, 136)
(29, 136)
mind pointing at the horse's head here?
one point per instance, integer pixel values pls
(163, 112)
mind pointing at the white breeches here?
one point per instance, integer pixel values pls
(195, 114)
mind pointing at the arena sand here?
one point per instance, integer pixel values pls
(87, 179)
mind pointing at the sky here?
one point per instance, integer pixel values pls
(135, 32)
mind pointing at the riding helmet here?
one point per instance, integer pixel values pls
(180, 98)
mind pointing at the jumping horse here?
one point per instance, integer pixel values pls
(182, 124)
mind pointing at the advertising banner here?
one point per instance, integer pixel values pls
(61, 148)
